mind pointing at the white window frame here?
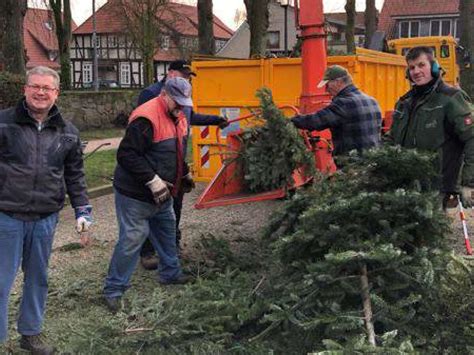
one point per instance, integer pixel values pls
(112, 41)
(456, 28)
(125, 74)
(450, 32)
(165, 42)
(410, 22)
(87, 76)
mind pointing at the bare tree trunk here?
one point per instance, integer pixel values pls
(466, 23)
(62, 19)
(371, 20)
(207, 43)
(144, 27)
(257, 18)
(350, 24)
(364, 281)
(13, 13)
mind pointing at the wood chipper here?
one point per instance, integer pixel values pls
(294, 84)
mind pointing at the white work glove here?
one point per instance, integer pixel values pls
(159, 189)
(83, 224)
(83, 218)
(467, 194)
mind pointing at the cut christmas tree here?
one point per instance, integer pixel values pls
(270, 153)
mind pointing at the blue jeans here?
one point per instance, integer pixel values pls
(28, 243)
(138, 220)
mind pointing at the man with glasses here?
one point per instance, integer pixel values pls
(353, 117)
(176, 69)
(40, 159)
(147, 177)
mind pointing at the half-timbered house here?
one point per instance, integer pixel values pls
(119, 60)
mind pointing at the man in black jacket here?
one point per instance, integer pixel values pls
(147, 178)
(176, 69)
(40, 159)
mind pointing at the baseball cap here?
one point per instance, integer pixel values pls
(179, 89)
(332, 73)
(182, 66)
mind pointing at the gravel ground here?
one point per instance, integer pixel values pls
(231, 221)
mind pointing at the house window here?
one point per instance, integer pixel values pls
(219, 44)
(457, 32)
(112, 41)
(435, 28)
(440, 28)
(165, 42)
(445, 27)
(273, 39)
(125, 74)
(409, 29)
(87, 73)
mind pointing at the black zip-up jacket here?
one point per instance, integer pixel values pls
(39, 164)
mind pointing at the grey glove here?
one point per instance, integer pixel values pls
(467, 194)
(159, 189)
(223, 123)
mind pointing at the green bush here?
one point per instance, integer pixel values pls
(11, 89)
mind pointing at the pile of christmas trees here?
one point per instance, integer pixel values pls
(366, 266)
(272, 151)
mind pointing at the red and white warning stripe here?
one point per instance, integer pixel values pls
(205, 164)
(464, 227)
(204, 132)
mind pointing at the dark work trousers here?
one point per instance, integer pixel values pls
(147, 248)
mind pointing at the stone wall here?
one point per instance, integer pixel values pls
(89, 109)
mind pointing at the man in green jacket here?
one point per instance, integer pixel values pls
(434, 116)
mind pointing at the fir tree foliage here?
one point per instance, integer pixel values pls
(271, 152)
(380, 213)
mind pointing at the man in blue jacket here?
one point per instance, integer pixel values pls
(40, 160)
(181, 69)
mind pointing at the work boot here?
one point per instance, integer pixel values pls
(114, 304)
(181, 280)
(149, 262)
(36, 345)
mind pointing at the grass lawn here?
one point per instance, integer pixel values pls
(101, 133)
(99, 168)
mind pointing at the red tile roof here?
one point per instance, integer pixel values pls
(394, 8)
(183, 17)
(40, 38)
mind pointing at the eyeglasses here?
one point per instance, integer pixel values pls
(45, 89)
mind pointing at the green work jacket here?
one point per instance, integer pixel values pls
(439, 122)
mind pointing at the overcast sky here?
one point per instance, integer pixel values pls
(224, 9)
